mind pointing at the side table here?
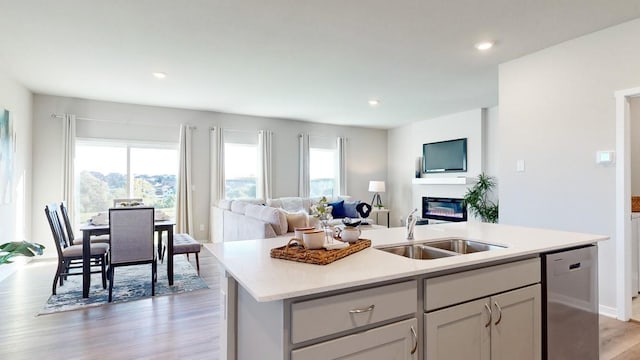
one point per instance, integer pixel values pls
(378, 211)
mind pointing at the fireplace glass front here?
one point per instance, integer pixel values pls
(445, 209)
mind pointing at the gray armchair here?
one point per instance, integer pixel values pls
(131, 234)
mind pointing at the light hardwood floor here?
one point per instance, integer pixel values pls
(183, 326)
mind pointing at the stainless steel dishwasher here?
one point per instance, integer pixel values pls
(570, 304)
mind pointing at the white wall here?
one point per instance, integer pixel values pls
(366, 158)
(15, 217)
(557, 109)
(405, 146)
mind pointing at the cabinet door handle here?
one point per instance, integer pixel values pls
(499, 312)
(359, 311)
(490, 317)
(415, 339)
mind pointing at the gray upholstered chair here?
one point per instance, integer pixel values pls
(70, 256)
(71, 237)
(131, 233)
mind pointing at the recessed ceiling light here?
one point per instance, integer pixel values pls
(374, 102)
(486, 45)
(159, 75)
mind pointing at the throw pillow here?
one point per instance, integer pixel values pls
(296, 220)
(338, 209)
(350, 209)
(363, 209)
(270, 215)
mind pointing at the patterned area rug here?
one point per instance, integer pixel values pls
(131, 283)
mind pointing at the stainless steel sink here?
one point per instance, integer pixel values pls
(440, 248)
(418, 252)
(462, 246)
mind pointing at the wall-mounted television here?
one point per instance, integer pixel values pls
(445, 156)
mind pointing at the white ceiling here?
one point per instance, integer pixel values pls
(309, 60)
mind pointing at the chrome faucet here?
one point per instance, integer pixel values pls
(411, 223)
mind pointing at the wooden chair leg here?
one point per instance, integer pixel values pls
(104, 273)
(111, 273)
(154, 266)
(56, 277)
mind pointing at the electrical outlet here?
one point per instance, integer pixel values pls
(201, 227)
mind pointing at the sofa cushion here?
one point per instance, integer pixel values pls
(270, 215)
(350, 209)
(276, 203)
(239, 207)
(296, 220)
(225, 204)
(337, 211)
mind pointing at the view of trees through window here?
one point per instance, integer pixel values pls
(322, 172)
(102, 175)
(240, 170)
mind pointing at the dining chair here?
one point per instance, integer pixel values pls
(127, 202)
(131, 230)
(71, 237)
(70, 256)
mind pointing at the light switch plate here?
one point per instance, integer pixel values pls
(520, 165)
(605, 157)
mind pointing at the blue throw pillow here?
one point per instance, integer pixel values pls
(350, 209)
(338, 209)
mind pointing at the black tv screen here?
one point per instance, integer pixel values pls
(445, 156)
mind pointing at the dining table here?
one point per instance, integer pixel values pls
(90, 229)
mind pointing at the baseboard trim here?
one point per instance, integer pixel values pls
(608, 311)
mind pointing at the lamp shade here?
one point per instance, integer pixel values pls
(376, 186)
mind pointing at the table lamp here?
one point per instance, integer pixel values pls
(376, 187)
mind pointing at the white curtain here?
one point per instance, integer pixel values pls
(184, 211)
(216, 141)
(264, 164)
(342, 166)
(303, 154)
(68, 153)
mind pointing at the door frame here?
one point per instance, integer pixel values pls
(623, 202)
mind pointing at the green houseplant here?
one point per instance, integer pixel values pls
(18, 248)
(477, 199)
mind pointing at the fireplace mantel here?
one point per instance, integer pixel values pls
(440, 180)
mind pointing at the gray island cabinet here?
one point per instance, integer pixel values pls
(377, 305)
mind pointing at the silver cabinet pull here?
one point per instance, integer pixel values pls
(499, 312)
(490, 317)
(415, 338)
(359, 311)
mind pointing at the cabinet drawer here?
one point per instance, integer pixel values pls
(393, 341)
(332, 314)
(464, 286)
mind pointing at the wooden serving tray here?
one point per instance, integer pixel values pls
(295, 251)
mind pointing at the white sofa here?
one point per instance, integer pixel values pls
(245, 219)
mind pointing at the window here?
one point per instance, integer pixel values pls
(110, 170)
(240, 164)
(323, 167)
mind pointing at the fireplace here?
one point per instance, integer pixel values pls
(445, 209)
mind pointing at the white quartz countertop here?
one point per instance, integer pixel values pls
(268, 279)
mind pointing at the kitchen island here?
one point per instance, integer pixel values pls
(279, 309)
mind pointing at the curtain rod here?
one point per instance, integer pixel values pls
(57, 116)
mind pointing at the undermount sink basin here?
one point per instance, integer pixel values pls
(440, 248)
(462, 246)
(417, 252)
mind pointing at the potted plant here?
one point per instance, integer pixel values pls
(18, 248)
(477, 199)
